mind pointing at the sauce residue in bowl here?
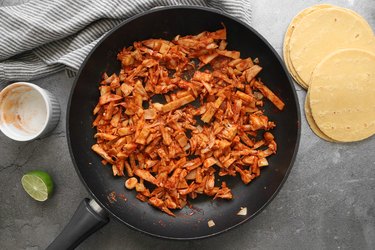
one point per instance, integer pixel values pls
(23, 110)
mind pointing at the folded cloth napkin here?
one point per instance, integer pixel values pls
(41, 37)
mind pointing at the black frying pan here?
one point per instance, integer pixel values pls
(189, 223)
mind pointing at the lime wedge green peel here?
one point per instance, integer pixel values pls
(38, 184)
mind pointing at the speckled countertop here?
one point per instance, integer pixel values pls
(328, 201)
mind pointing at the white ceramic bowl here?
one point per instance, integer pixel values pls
(27, 111)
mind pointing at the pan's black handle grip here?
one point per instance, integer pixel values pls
(87, 219)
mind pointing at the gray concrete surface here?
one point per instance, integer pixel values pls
(328, 201)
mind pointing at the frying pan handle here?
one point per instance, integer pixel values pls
(87, 219)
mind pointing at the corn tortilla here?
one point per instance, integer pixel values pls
(289, 33)
(324, 31)
(311, 122)
(342, 95)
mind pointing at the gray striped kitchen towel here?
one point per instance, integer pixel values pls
(41, 37)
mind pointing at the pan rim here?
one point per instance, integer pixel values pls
(291, 85)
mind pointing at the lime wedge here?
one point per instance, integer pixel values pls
(38, 184)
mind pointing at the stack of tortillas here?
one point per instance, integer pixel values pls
(331, 52)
